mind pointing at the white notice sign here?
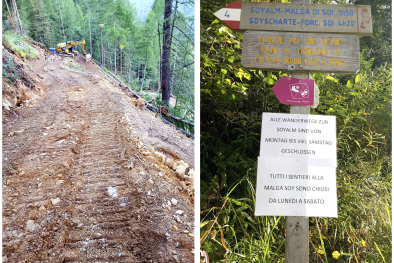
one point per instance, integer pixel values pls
(289, 187)
(299, 136)
(296, 172)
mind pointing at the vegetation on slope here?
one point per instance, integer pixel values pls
(18, 43)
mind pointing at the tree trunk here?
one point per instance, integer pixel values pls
(176, 95)
(158, 80)
(166, 56)
(129, 68)
(138, 71)
(181, 72)
(102, 49)
(90, 37)
(159, 70)
(173, 68)
(120, 58)
(101, 35)
(16, 14)
(60, 12)
(9, 13)
(106, 37)
(115, 57)
(146, 60)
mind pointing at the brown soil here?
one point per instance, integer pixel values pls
(84, 179)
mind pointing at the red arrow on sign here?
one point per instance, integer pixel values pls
(230, 14)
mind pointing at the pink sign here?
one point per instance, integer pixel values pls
(294, 91)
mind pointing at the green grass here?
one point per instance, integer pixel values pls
(72, 64)
(362, 104)
(362, 232)
(19, 44)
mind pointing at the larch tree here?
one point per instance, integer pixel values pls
(40, 23)
(166, 54)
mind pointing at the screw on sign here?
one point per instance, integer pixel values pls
(300, 17)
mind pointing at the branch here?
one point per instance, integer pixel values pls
(173, 23)
(184, 66)
(192, 40)
(187, 24)
(184, 47)
(216, 219)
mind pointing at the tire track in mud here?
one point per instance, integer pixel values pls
(98, 215)
(78, 190)
(30, 128)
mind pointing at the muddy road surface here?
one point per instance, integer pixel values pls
(88, 177)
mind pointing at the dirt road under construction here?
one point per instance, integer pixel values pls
(88, 177)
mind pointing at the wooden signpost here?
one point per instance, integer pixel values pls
(298, 16)
(299, 47)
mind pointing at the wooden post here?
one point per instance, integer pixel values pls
(297, 227)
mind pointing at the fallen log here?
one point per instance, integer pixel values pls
(170, 123)
(179, 119)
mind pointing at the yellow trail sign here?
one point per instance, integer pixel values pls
(300, 51)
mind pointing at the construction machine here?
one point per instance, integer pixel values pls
(68, 49)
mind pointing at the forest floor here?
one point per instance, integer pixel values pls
(88, 177)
